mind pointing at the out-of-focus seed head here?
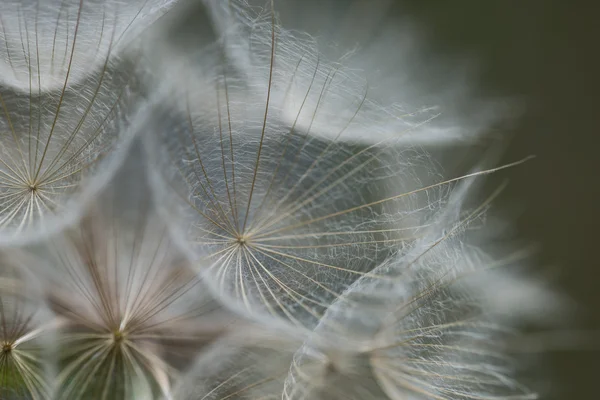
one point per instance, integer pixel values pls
(27, 346)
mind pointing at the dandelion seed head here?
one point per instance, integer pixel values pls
(68, 92)
(133, 314)
(126, 313)
(26, 339)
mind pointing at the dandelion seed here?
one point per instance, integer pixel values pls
(282, 221)
(135, 314)
(60, 142)
(56, 149)
(25, 338)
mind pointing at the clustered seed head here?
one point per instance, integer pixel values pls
(278, 230)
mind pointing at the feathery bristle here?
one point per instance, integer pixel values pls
(44, 43)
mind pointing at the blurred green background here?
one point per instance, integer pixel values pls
(547, 53)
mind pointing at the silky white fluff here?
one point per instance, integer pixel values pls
(47, 43)
(60, 148)
(279, 206)
(388, 55)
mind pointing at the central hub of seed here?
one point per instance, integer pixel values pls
(33, 187)
(242, 241)
(7, 347)
(118, 336)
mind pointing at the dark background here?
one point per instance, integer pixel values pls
(546, 52)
